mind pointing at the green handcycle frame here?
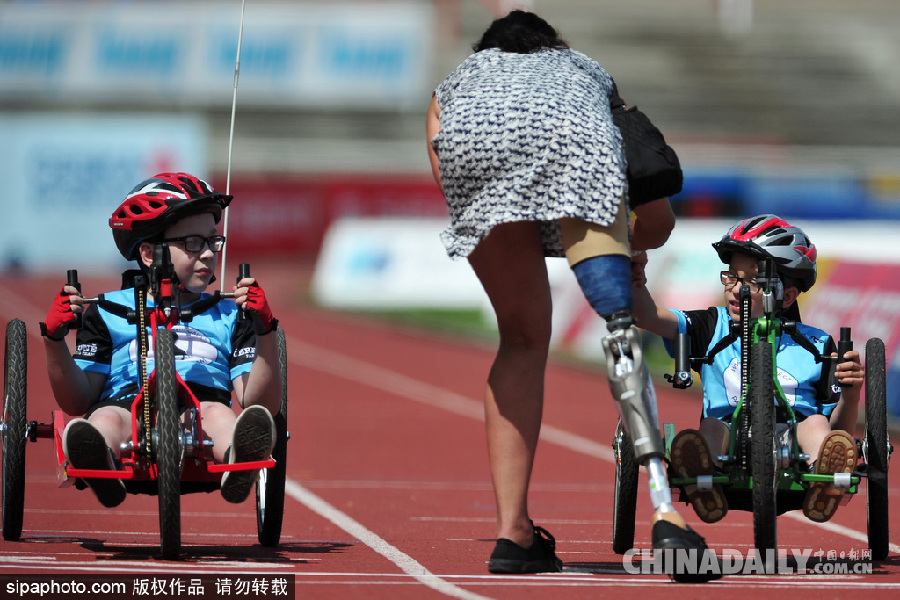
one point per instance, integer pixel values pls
(759, 474)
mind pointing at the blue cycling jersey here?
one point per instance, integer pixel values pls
(210, 351)
(808, 385)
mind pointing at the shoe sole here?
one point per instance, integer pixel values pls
(519, 567)
(254, 435)
(838, 455)
(85, 448)
(710, 505)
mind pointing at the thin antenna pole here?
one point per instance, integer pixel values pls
(237, 73)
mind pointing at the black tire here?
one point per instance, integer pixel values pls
(13, 430)
(168, 447)
(270, 486)
(625, 505)
(762, 451)
(877, 450)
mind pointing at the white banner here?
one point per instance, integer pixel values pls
(372, 55)
(64, 174)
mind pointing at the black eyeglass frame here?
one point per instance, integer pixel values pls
(729, 279)
(216, 243)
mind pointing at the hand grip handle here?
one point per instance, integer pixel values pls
(243, 273)
(845, 344)
(72, 279)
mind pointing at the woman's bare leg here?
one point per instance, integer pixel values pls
(511, 267)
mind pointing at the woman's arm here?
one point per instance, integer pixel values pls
(432, 127)
(652, 225)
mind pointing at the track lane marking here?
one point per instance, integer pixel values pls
(406, 563)
(840, 529)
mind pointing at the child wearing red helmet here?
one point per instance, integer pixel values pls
(217, 353)
(824, 409)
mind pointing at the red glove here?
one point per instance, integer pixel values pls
(258, 309)
(60, 317)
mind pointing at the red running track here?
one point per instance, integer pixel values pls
(388, 487)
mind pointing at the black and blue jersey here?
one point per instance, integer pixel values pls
(210, 351)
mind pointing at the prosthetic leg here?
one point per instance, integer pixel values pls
(635, 399)
(606, 283)
(601, 261)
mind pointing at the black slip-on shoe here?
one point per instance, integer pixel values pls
(511, 558)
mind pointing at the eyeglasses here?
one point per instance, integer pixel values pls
(196, 243)
(729, 279)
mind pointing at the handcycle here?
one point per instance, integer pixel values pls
(164, 457)
(760, 473)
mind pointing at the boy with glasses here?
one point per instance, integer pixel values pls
(216, 353)
(824, 397)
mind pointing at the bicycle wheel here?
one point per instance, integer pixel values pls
(878, 445)
(270, 485)
(168, 448)
(762, 451)
(13, 429)
(625, 505)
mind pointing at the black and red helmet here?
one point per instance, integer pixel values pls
(156, 203)
(769, 236)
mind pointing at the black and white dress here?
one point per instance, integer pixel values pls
(527, 137)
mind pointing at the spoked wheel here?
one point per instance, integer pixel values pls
(762, 449)
(168, 447)
(12, 429)
(878, 449)
(270, 486)
(626, 492)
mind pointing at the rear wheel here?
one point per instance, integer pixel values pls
(168, 447)
(878, 447)
(625, 505)
(270, 486)
(12, 429)
(762, 451)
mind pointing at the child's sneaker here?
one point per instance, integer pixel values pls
(540, 557)
(837, 455)
(253, 440)
(85, 448)
(690, 457)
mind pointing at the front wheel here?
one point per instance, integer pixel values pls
(12, 429)
(762, 450)
(878, 449)
(168, 447)
(625, 505)
(270, 486)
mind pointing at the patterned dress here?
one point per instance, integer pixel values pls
(527, 137)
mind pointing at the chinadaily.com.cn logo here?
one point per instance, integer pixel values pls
(728, 561)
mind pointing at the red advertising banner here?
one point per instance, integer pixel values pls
(865, 297)
(278, 216)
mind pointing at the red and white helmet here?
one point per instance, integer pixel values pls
(156, 203)
(770, 236)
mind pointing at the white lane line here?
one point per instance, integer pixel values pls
(840, 529)
(405, 562)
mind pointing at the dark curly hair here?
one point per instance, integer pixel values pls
(520, 32)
